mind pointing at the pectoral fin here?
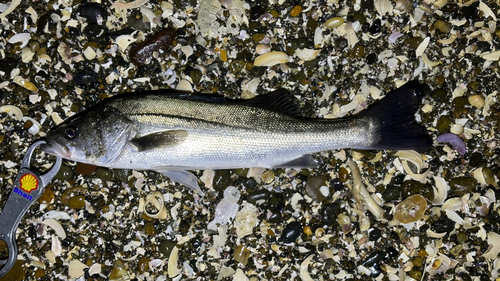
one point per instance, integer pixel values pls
(159, 139)
(304, 161)
(184, 178)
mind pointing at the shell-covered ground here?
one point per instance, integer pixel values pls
(389, 215)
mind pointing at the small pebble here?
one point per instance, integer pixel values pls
(258, 196)
(296, 10)
(411, 209)
(85, 77)
(268, 177)
(241, 255)
(343, 174)
(476, 101)
(312, 188)
(47, 196)
(65, 173)
(166, 247)
(291, 232)
(141, 54)
(442, 26)
(143, 265)
(77, 202)
(104, 174)
(92, 12)
(462, 185)
(119, 270)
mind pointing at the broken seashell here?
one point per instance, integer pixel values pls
(334, 22)
(76, 269)
(13, 111)
(271, 58)
(56, 226)
(307, 54)
(304, 273)
(494, 242)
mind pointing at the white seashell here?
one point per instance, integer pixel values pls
(455, 203)
(307, 54)
(184, 86)
(76, 269)
(50, 256)
(304, 273)
(130, 5)
(423, 45)
(89, 53)
(494, 241)
(452, 215)
(487, 12)
(384, 7)
(404, 5)
(150, 15)
(412, 156)
(334, 22)
(271, 58)
(456, 129)
(261, 49)
(295, 201)
(318, 36)
(187, 50)
(12, 110)
(20, 37)
(25, 83)
(492, 56)
(433, 234)
(352, 38)
(56, 246)
(123, 41)
(429, 62)
(96, 268)
(245, 220)
(440, 191)
(27, 54)
(440, 3)
(56, 226)
(13, 5)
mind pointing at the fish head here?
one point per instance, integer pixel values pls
(94, 137)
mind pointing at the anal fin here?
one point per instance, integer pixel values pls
(304, 161)
(184, 178)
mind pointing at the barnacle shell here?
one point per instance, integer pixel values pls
(411, 209)
(271, 58)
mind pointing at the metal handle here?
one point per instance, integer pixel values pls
(28, 187)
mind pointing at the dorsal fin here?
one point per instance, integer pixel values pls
(281, 101)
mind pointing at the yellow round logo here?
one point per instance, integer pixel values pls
(28, 183)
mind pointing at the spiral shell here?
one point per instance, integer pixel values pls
(28, 182)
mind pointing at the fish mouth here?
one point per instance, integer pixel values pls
(54, 148)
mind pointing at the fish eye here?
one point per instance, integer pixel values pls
(71, 132)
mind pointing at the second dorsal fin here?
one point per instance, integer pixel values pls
(281, 101)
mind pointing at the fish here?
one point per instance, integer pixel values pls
(173, 133)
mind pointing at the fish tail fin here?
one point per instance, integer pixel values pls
(395, 117)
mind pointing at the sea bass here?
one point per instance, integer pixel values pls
(172, 133)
